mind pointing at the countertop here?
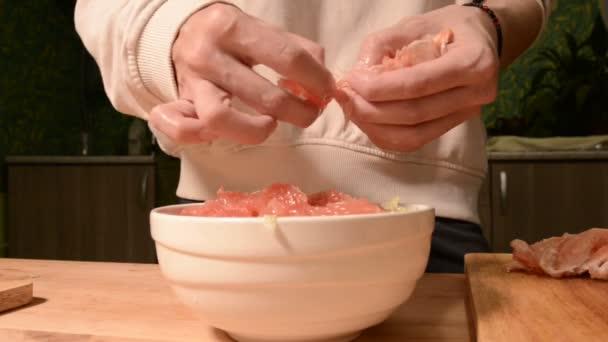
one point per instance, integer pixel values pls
(94, 301)
(549, 155)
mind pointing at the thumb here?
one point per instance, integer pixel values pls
(178, 121)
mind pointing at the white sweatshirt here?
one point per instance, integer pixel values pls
(131, 41)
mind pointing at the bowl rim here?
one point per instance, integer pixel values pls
(161, 212)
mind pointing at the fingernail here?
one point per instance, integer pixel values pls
(271, 123)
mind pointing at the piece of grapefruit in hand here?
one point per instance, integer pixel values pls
(296, 89)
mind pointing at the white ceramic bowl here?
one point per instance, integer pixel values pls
(307, 279)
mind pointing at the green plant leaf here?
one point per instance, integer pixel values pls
(598, 39)
(581, 96)
(549, 55)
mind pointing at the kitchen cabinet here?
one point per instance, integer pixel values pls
(96, 208)
(81, 208)
(532, 196)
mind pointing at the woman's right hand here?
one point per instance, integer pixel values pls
(213, 57)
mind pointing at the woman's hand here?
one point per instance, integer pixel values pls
(213, 57)
(403, 109)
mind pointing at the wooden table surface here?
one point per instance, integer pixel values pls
(92, 301)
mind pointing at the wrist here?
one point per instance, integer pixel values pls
(196, 34)
(521, 22)
(153, 57)
(192, 22)
(490, 21)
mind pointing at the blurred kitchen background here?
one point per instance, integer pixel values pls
(77, 178)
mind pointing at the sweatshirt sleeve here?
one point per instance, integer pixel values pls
(131, 42)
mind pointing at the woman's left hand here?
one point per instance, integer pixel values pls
(406, 108)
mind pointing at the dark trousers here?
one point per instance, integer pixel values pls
(452, 239)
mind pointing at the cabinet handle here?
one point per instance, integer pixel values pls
(503, 192)
(144, 190)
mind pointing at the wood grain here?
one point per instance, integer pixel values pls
(484, 207)
(89, 212)
(16, 289)
(524, 307)
(94, 301)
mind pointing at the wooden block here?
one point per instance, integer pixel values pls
(16, 289)
(527, 307)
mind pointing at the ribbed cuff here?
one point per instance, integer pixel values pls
(154, 49)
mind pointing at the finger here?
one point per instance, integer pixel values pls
(315, 50)
(451, 70)
(261, 95)
(418, 110)
(387, 42)
(214, 110)
(410, 138)
(178, 121)
(275, 49)
(295, 88)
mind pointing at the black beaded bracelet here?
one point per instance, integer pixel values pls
(479, 4)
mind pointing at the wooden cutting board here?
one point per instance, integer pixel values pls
(16, 289)
(524, 307)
